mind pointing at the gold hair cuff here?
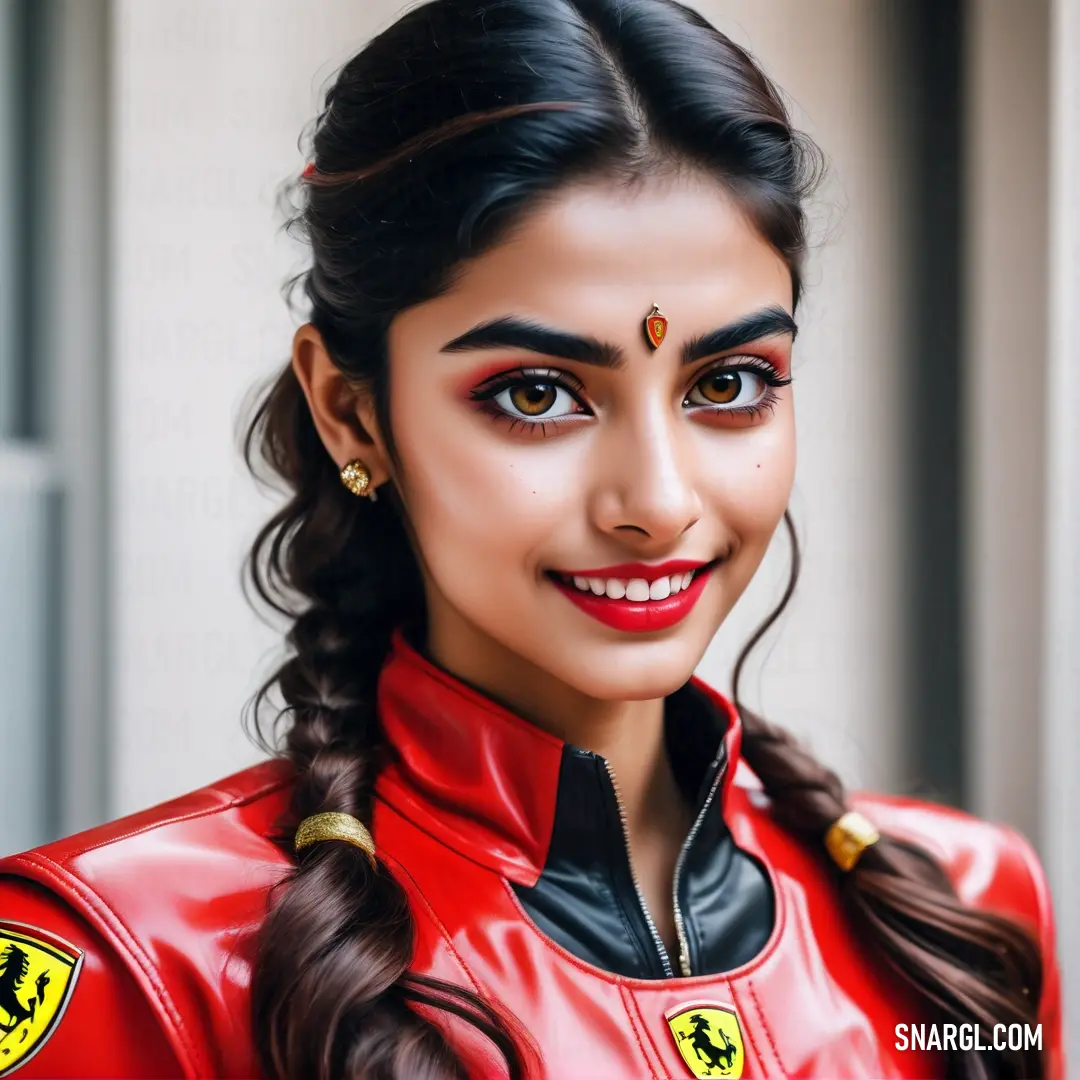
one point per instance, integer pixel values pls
(848, 837)
(331, 826)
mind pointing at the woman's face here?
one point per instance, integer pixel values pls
(550, 454)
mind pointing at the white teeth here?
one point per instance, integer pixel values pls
(660, 589)
(637, 590)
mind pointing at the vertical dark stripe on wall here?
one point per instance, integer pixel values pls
(933, 71)
(16, 408)
(29, 413)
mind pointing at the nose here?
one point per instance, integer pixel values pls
(646, 480)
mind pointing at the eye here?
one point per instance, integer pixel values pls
(532, 400)
(733, 388)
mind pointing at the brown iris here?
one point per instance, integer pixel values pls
(533, 399)
(720, 387)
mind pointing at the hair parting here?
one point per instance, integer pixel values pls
(433, 141)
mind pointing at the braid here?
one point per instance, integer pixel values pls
(971, 966)
(331, 991)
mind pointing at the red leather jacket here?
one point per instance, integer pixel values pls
(124, 951)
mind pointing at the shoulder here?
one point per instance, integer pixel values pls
(147, 918)
(197, 846)
(990, 865)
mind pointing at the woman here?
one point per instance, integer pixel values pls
(539, 434)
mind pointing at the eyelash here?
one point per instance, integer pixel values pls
(486, 393)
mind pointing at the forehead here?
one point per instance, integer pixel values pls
(591, 250)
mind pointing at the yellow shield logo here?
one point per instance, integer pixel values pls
(708, 1036)
(37, 975)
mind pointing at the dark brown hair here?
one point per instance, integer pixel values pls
(434, 140)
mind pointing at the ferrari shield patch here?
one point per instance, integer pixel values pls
(38, 971)
(708, 1036)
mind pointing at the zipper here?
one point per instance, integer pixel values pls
(657, 941)
(720, 764)
(680, 926)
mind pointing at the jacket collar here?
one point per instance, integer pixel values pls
(486, 782)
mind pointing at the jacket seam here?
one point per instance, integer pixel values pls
(231, 804)
(191, 1059)
(780, 900)
(765, 1027)
(628, 996)
(476, 984)
(443, 932)
(630, 933)
(589, 969)
(497, 866)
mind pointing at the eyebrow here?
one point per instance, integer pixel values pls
(511, 332)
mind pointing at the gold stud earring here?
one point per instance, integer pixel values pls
(357, 478)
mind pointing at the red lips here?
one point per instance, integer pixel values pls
(639, 616)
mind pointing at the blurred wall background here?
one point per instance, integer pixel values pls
(933, 644)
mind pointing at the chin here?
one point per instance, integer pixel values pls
(641, 671)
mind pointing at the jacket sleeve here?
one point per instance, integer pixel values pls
(1050, 1003)
(69, 1007)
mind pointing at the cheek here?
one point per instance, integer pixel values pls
(478, 502)
(751, 484)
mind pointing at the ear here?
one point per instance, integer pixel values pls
(344, 414)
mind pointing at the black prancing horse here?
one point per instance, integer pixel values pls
(14, 966)
(715, 1057)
